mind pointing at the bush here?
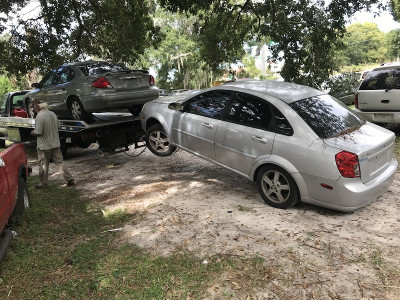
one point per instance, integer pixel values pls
(343, 84)
(6, 85)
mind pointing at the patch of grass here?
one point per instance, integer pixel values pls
(376, 258)
(64, 251)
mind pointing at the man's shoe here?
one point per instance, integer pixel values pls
(71, 182)
(41, 186)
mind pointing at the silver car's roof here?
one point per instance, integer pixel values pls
(285, 91)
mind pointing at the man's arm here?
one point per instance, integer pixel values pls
(38, 126)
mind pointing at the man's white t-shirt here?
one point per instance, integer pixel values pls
(46, 127)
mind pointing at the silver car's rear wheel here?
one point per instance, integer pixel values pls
(277, 187)
(157, 141)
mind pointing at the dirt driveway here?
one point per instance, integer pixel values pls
(191, 205)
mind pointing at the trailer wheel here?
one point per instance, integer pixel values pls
(157, 141)
(29, 108)
(77, 111)
(23, 200)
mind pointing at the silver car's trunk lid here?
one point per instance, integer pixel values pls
(128, 80)
(374, 146)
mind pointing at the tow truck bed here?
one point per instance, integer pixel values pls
(114, 132)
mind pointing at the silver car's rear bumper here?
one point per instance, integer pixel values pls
(349, 194)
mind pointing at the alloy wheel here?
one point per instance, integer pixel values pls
(276, 186)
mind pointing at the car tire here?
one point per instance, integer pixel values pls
(29, 108)
(277, 187)
(23, 199)
(136, 109)
(157, 141)
(77, 111)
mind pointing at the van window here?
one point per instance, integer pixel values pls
(386, 79)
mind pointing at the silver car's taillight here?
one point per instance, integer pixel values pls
(348, 164)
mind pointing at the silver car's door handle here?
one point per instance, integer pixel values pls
(259, 139)
(207, 125)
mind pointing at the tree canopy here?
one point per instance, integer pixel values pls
(364, 43)
(56, 31)
(305, 33)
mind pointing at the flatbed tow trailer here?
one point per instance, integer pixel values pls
(114, 132)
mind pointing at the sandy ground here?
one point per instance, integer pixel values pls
(188, 204)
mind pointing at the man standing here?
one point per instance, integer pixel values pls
(48, 144)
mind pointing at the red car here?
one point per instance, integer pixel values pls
(14, 197)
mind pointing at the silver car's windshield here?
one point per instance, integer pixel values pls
(326, 116)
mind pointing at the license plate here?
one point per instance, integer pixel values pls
(383, 117)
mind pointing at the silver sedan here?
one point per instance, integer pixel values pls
(297, 143)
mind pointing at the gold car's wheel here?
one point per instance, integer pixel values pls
(277, 187)
(157, 141)
(77, 111)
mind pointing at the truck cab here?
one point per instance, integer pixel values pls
(12, 105)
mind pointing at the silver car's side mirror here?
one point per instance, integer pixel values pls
(175, 106)
(2, 164)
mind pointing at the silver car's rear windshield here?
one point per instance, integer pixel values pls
(326, 116)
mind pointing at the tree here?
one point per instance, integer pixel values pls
(393, 44)
(395, 9)
(67, 30)
(177, 59)
(249, 68)
(363, 44)
(306, 32)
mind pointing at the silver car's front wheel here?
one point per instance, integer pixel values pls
(157, 141)
(277, 187)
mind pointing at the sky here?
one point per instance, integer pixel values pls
(384, 21)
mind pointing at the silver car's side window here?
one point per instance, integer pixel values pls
(209, 104)
(250, 111)
(282, 125)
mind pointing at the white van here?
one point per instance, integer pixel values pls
(378, 97)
